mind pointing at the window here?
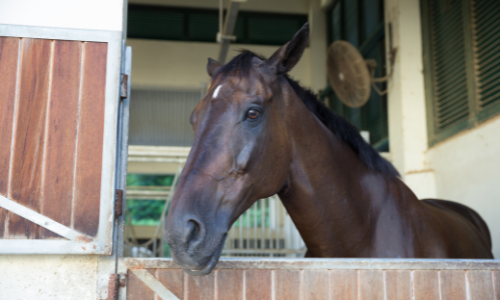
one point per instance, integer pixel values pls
(361, 23)
(461, 64)
(202, 25)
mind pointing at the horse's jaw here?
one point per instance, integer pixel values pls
(207, 268)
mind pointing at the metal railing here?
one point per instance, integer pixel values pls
(264, 230)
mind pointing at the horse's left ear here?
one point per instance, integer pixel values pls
(286, 57)
(212, 67)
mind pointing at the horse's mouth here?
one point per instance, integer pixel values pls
(213, 261)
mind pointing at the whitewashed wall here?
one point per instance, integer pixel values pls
(45, 277)
(467, 170)
(182, 64)
(159, 64)
(88, 14)
(464, 168)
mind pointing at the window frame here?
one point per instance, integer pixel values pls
(476, 116)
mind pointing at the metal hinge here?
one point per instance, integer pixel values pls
(118, 203)
(124, 86)
(114, 285)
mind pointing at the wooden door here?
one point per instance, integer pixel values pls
(58, 139)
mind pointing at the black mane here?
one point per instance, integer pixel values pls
(242, 64)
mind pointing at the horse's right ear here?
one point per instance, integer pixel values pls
(212, 67)
(288, 55)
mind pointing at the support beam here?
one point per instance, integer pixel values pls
(226, 35)
(406, 100)
(154, 284)
(42, 220)
(318, 38)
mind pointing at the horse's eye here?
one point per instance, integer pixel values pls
(253, 114)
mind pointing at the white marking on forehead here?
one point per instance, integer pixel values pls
(216, 91)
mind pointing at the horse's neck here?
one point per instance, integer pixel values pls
(331, 196)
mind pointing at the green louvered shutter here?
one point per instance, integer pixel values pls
(486, 29)
(462, 64)
(448, 64)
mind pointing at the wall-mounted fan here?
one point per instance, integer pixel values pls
(350, 75)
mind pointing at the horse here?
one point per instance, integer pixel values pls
(259, 133)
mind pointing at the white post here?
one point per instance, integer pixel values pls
(406, 98)
(317, 45)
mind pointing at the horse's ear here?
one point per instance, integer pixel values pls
(212, 67)
(286, 57)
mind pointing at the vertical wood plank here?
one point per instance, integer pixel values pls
(200, 287)
(9, 59)
(137, 290)
(57, 190)
(287, 284)
(258, 285)
(90, 139)
(343, 284)
(371, 284)
(480, 285)
(426, 285)
(398, 285)
(496, 283)
(172, 279)
(229, 284)
(316, 284)
(452, 284)
(29, 134)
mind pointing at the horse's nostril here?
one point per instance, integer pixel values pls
(193, 233)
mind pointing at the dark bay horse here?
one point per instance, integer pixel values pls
(258, 133)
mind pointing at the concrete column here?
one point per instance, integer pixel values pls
(318, 44)
(406, 98)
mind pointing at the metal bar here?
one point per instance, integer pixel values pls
(263, 251)
(165, 208)
(372, 40)
(277, 223)
(43, 221)
(154, 284)
(147, 195)
(262, 223)
(156, 159)
(255, 223)
(229, 25)
(329, 263)
(108, 265)
(162, 151)
(240, 227)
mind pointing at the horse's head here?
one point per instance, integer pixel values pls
(241, 153)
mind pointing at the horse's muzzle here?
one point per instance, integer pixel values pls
(192, 248)
(203, 267)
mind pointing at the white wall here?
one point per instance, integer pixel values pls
(464, 168)
(159, 64)
(406, 102)
(88, 14)
(467, 170)
(44, 277)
